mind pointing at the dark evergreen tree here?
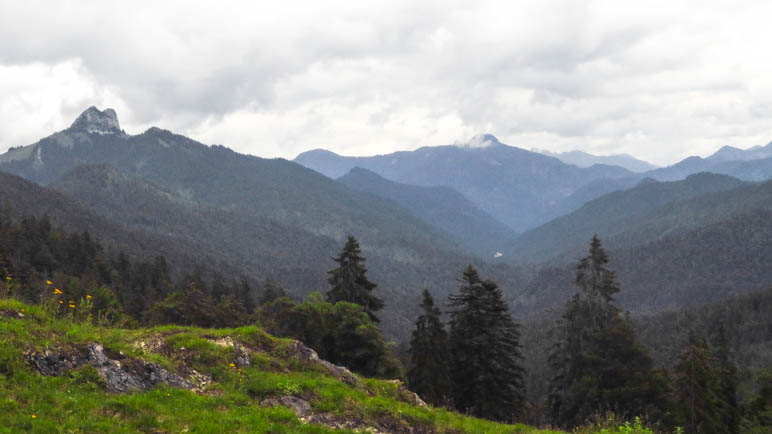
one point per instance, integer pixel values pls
(271, 292)
(486, 371)
(758, 409)
(349, 281)
(244, 291)
(698, 388)
(730, 410)
(430, 362)
(598, 364)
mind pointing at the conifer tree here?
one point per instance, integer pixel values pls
(730, 410)
(758, 409)
(598, 364)
(349, 282)
(698, 388)
(486, 372)
(271, 292)
(429, 371)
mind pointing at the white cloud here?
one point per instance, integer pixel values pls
(660, 80)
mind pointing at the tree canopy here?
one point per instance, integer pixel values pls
(349, 282)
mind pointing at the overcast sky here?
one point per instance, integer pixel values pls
(659, 80)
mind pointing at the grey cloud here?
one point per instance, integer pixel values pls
(377, 75)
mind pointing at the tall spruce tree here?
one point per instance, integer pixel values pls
(730, 410)
(429, 374)
(349, 282)
(698, 388)
(597, 362)
(486, 371)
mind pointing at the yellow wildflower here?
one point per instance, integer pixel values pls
(7, 277)
(61, 302)
(48, 282)
(88, 297)
(72, 306)
(232, 365)
(57, 291)
(33, 416)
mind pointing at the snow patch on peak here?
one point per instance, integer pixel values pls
(479, 141)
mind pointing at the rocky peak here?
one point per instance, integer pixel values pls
(95, 121)
(480, 141)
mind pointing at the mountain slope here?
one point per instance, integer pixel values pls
(442, 207)
(217, 176)
(20, 198)
(259, 247)
(703, 265)
(522, 189)
(263, 248)
(622, 219)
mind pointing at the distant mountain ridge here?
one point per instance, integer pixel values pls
(730, 153)
(584, 159)
(520, 188)
(754, 164)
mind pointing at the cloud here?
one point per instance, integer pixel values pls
(660, 80)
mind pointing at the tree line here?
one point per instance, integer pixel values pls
(472, 363)
(599, 367)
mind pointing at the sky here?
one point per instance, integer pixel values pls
(660, 80)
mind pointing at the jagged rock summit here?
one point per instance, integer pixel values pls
(95, 121)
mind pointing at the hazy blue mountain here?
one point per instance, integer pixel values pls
(753, 164)
(442, 207)
(583, 159)
(730, 153)
(520, 188)
(624, 218)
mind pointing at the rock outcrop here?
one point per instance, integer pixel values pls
(119, 374)
(95, 121)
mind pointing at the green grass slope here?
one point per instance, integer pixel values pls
(237, 378)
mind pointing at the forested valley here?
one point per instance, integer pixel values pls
(467, 353)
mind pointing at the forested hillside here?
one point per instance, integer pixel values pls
(442, 207)
(699, 266)
(634, 216)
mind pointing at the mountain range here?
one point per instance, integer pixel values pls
(522, 218)
(583, 159)
(520, 188)
(214, 208)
